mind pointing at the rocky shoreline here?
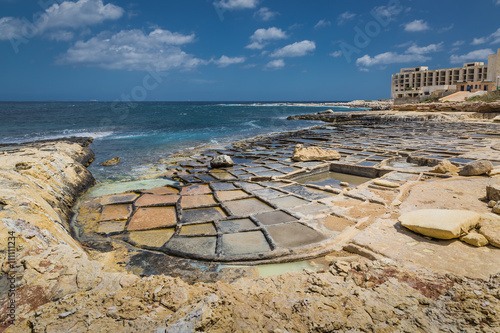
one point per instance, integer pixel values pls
(64, 286)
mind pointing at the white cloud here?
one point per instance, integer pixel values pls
(322, 23)
(414, 49)
(265, 14)
(336, 54)
(498, 2)
(61, 35)
(276, 64)
(261, 37)
(387, 13)
(471, 56)
(445, 29)
(298, 49)
(225, 61)
(133, 50)
(237, 4)
(59, 17)
(416, 26)
(388, 58)
(458, 43)
(344, 17)
(494, 38)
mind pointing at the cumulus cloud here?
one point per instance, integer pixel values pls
(265, 14)
(236, 4)
(344, 17)
(493, 38)
(322, 23)
(336, 54)
(425, 49)
(261, 37)
(471, 56)
(416, 26)
(225, 61)
(133, 50)
(298, 49)
(276, 64)
(58, 18)
(388, 58)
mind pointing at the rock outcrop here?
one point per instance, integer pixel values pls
(481, 107)
(221, 161)
(111, 162)
(303, 154)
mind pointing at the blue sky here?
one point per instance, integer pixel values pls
(232, 50)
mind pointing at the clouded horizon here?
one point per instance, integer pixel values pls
(232, 50)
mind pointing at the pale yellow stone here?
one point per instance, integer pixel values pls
(385, 183)
(475, 239)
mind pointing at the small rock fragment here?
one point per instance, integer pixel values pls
(302, 154)
(493, 192)
(446, 167)
(492, 204)
(221, 161)
(475, 239)
(344, 184)
(385, 183)
(489, 227)
(476, 168)
(113, 161)
(496, 208)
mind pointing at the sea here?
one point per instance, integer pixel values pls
(143, 133)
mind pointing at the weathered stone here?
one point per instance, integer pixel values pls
(221, 161)
(326, 112)
(113, 161)
(489, 227)
(494, 172)
(493, 192)
(492, 203)
(476, 168)
(496, 119)
(496, 208)
(475, 239)
(385, 183)
(302, 154)
(440, 223)
(446, 167)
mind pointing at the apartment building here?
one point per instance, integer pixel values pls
(420, 82)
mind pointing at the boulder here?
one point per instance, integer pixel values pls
(476, 168)
(302, 154)
(385, 183)
(221, 161)
(440, 223)
(493, 192)
(111, 162)
(489, 227)
(475, 239)
(446, 167)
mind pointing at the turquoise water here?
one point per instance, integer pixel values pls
(142, 133)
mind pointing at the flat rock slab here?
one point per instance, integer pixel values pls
(196, 190)
(247, 207)
(162, 190)
(440, 223)
(198, 229)
(202, 246)
(202, 215)
(276, 217)
(244, 243)
(231, 195)
(119, 199)
(152, 238)
(154, 200)
(294, 235)
(288, 202)
(233, 226)
(153, 218)
(389, 238)
(116, 212)
(109, 227)
(193, 201)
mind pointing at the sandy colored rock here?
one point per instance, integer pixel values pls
(111, 162)
(496, 119)
(493, 192)
(445, 167)
(489, 227)
(222, 161)
(476, 168)
(475, 239)
(386, 183)
(440, 223)
(496, 208)
(494, 172)
(302, 154)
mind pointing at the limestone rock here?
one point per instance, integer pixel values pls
(476, 168)
(385, 183)
(492, 203)
(493, 192)
(326, 112)
(446, 167)
(113, 161)
(221, 161)
(494, 172)
(496, 119)
(440, 223)
(475, 239)
(302, 154)
(489, 227)
(496, 208)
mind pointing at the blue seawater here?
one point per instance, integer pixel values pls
(142, 133)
